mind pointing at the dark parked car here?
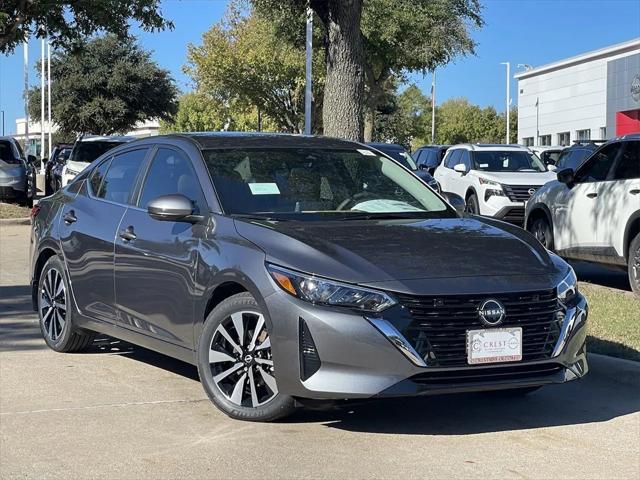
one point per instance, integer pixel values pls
(430, 157)
(400, 154)
(53, 168)
(575, 155)
(17, 173)
(290, 268)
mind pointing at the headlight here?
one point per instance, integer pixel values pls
(486, 181)
(328, 292)
(568, 287)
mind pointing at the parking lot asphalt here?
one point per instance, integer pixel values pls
(120, 411)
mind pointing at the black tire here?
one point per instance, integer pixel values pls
(541, 229)
(634, 265)
(472, 206)
(276, 407)
(69, 338)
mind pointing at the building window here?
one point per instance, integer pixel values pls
(544, 140)
(527, 142)
(603, 133)
(564, 139)
(583, 134)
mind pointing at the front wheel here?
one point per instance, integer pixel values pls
(472, 205)
(634, 265)
(235, 363)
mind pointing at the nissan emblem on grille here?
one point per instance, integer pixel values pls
(491, 312)
(531, 191)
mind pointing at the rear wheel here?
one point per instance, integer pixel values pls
(55, 312)
(541, 229)
(472, 205)
(634, 265)
(235, 363)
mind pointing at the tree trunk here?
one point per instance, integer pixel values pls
(343, 108)
(369, 123)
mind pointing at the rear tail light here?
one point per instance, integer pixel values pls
(34, 211)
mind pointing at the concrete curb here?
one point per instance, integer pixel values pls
(620, 370)
(15, 221)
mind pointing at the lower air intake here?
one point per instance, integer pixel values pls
(309, 358)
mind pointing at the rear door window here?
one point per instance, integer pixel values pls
(120, 180)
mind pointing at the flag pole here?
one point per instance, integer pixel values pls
(308, 79)
(26, 95)
(49, 90)
(433, 108)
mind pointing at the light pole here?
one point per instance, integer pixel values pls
(42, 83)
(308, 79)
(26, 95)
(508, 100)
(49, 90)
(433, 109)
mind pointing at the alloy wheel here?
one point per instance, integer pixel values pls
(53, 305)
(240, 360)
(636, 267)
(540, 233)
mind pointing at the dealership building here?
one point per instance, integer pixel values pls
(593, 96)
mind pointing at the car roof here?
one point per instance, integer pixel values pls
(433, 147)
(106, 138)
(213, 140)
(384, 145)
(490, 147)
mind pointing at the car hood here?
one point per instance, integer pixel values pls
(366, 252)
(518, 178)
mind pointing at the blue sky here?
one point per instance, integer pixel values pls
(519, 31)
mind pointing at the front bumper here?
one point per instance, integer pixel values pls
(357, 360)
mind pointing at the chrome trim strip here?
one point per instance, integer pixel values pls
(573, 317)
(395, 337)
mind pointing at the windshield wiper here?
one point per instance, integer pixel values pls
(383, 216)
(257, 216)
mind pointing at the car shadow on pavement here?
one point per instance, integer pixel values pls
(585, 401)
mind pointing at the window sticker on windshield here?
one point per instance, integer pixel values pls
(264, 189)
(366, 152)
(484, 165)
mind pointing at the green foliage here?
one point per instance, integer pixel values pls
(243, 64)
(106, 87)
(199, 112)
(69, 23)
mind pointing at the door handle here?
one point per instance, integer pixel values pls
(70, 217)
(127, 234)
(592, 195)
(635, 191)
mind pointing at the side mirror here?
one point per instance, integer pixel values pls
(456, 201)
(31, 159)
(460, 168)
(551, 167)
(172, 208)
(566, 176)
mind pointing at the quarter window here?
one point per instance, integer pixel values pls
(171, 172)
(117, 185)
(597, 168)
(628, 166)
(95, 181)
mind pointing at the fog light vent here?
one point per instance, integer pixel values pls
(309, 359)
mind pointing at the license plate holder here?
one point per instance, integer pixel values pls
(494, 345)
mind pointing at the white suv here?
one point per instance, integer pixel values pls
(593, 213)
(85, 151)
(494, 180)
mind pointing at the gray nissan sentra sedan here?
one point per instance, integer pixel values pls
(291, 268)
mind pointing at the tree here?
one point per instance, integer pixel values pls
(68, 24)
(374, 41)
(200, 112)
(242, 64)
(106, 87)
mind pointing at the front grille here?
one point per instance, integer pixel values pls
(519, 193)
(483, 374)
(515, 216)
(439, 324)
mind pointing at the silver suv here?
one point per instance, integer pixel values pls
(17, 173)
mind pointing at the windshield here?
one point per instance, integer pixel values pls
(507, 161)
(6, 153)
(89, 151)
(314, 184)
